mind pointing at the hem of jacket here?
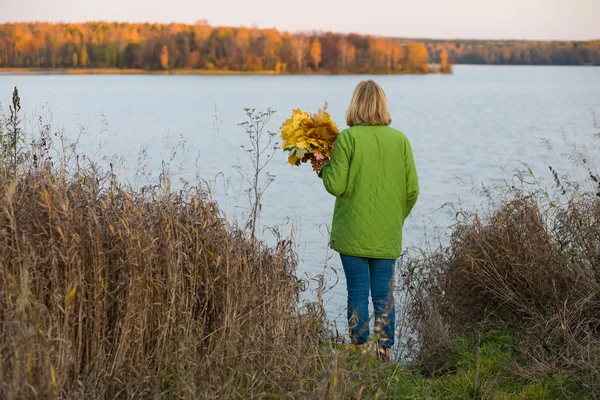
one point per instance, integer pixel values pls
(367, 254)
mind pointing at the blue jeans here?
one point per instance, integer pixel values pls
(378, 275)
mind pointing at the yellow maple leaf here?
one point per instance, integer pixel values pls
(301, 144)
(293, 159)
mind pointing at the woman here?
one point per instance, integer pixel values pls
(372, 174)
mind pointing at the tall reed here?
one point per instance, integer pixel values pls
(530, 266)
(109, 292)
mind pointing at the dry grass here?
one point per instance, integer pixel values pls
(108, 292)
(532, 267)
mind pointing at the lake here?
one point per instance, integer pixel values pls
(466, 129)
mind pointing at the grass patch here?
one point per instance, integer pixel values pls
(480, 369)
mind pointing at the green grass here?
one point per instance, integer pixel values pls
(484, 371)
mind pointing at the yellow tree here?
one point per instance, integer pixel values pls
(202, 31)
(272, 48)
(377, 53)
(417, 57)
(444, 65)
(315, 52)
(75, 59)
(164, 57)
(84, 57)
(132, 35)
(22, 39)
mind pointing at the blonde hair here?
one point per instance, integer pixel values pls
(368, 105)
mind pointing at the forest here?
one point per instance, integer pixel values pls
(518, 52)
(201, 46)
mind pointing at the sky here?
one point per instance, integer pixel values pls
(444, 19)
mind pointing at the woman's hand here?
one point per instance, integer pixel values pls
(318, 164)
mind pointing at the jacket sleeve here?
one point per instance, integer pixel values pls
(335, 175)
(412, 180)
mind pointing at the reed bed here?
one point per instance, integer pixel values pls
(529, 267)
(109, 292)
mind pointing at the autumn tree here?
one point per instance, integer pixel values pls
(351, 55)
(84, 57)
(347, 54)
(225, 41)
(417, 57)
(202, 31)
(272, 45)
(299, 48)
(315, 52)
(444, 65)
(53, 45)
(242, 41)
(22, 39)
(253, 63)
(377, 54)
(164, 57)
(398, 56)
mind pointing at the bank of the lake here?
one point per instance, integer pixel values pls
(207, 72)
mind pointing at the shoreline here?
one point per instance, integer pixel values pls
(206, 72)
(129, 71)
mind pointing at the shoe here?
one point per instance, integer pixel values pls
(384, 354)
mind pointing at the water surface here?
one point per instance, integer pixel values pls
(464, 129)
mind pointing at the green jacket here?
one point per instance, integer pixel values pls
(373, 176)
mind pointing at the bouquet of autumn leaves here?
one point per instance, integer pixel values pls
(309, 137)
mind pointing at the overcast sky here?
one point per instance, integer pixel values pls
(485, 19)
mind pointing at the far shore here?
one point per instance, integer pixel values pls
(131, 71)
